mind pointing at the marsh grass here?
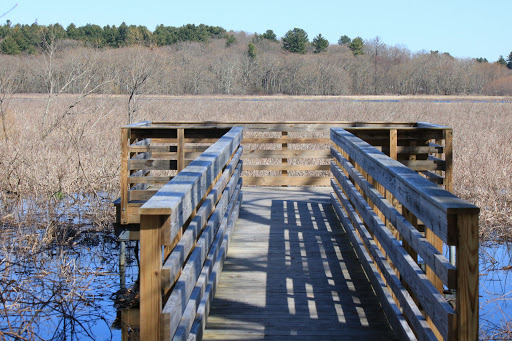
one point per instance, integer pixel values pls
(56, 186)
(79, 159)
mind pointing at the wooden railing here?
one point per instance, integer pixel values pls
(401, 225)
(151, 155)
(275, 154)
(191, 217)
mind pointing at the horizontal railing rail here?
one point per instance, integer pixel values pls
(275, 154)
(400, 224)
(191, 217)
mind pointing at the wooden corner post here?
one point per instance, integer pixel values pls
(467, 276)
(125, 141)
(150, 270)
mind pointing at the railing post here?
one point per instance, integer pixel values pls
(448, 158)
(125, 141)
(150, 270)
(467, 277)
(181, 149)
(284, 162)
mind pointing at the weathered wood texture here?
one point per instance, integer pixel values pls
(275, 154)
(396, 215)
(192, 216)
(291, 273)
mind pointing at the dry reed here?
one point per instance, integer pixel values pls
(56, 184)
(80, 158)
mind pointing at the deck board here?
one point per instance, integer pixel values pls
(291, 273)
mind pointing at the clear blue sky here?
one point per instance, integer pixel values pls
(463, 28)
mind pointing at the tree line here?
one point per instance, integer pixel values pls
(209, 60)
(17, 39)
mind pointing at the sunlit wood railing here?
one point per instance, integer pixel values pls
(275, 154)
(401, 225)
(184, 234)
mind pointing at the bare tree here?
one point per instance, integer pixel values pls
(7, 77)
(142, 64)
(74, 74)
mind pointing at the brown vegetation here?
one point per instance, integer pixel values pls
(80, 158)
(57, 180)
(212, 68)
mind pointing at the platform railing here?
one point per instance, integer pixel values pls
(184, 234)
(275, 154)
(395, 219)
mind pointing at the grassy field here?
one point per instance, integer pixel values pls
(62, 147)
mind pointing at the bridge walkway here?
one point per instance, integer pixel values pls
(291, 273)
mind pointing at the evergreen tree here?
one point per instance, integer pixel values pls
(502, 61)
(509, 61)
(73, 32)
(230, 39)
(344, 40)
(251, 50)
(320, 43)
(269, 35)
(357, 46)
(296, 41)
(10, 46)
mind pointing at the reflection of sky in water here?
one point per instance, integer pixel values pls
(95, 278)
(495, 285)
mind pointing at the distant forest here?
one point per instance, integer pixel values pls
(202, 59)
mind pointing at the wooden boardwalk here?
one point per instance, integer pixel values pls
(291, 273)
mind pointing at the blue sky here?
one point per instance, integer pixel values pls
(466, 29)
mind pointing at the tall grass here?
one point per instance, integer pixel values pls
(79, 159)
(56, 184)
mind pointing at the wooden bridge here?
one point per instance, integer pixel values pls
(358, 235)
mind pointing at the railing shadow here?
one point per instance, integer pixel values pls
(311, 284)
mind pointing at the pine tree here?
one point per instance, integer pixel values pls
(251, 50)
(344, 40)
(509, 61)
(296, 41)
(356, 46)
(320, 43)
(269, 35)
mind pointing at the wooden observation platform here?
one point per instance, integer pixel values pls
(341, 230)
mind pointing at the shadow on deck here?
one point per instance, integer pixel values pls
(291, 273)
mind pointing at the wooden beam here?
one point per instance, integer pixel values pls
(181, 150)
(425, 200)
(180, 197)
(432, 301)
(125, 141)
(448, 158)
(430, 254)
(150, 268)
(467, 279)
(286, 180)
(287, 154)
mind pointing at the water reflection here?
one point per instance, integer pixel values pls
(495, 290)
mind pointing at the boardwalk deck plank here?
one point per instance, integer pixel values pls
(291, 273)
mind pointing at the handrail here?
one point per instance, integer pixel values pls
(293, 153)
(394, 215)
(192, 216)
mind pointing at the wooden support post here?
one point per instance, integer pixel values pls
(467, 277)
(284, 146)
(393, 144)
(448, 175)
(150, 281)
(448, 158)
(181, 149)
(125, 141)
